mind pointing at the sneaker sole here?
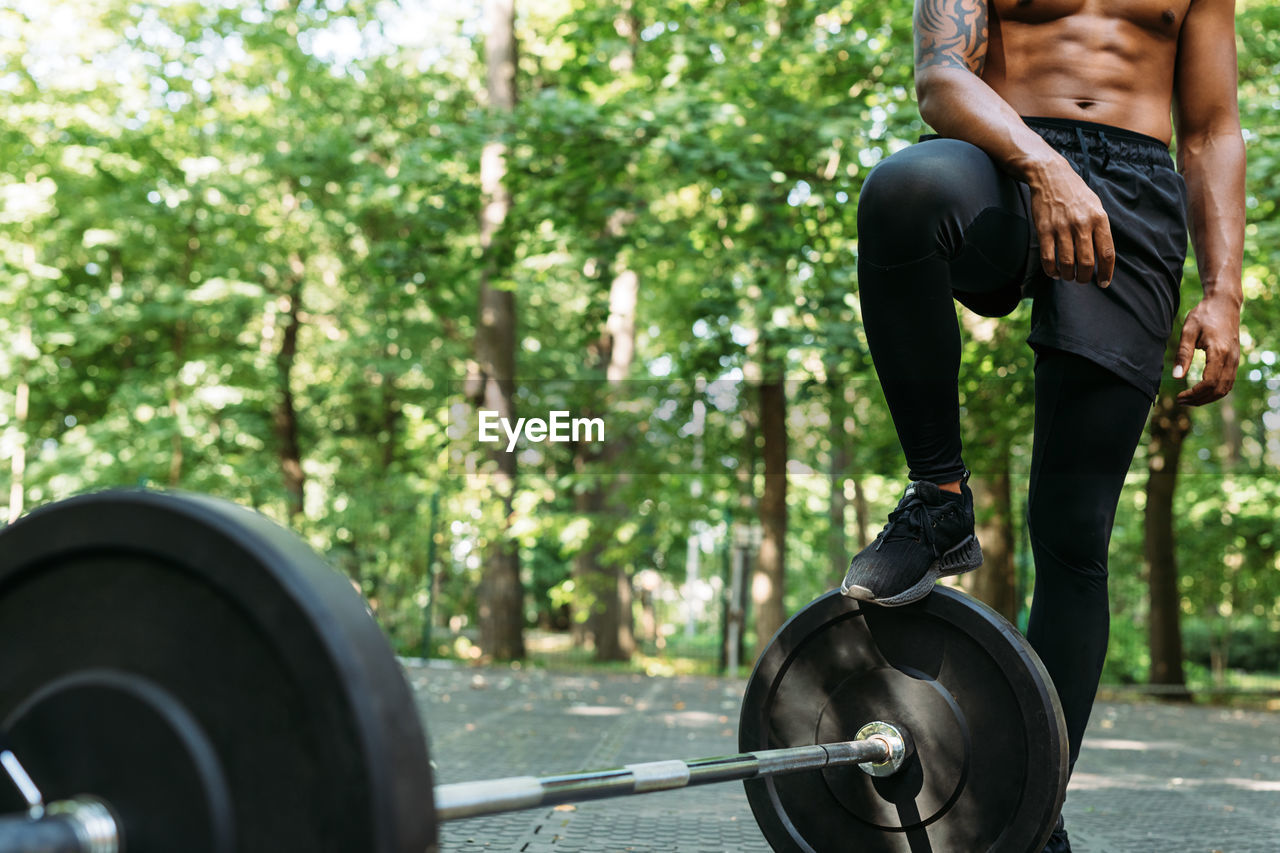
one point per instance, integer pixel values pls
(964, 557)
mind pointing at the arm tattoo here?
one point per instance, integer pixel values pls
(951, 32)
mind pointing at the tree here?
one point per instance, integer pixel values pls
(769, 584)
(1170, 424)
(501, 595)
(242, 240)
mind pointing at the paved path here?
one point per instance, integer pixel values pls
(1152, 779)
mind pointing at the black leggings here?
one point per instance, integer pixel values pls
(938, 220)
(1088, 422)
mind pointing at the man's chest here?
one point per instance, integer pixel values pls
(1159, 16)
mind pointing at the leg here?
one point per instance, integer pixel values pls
(1088, 423)
(934, 218)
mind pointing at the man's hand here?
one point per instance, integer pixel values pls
(1212, 326)
(1074, 231)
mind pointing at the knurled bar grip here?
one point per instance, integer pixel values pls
(496, 796)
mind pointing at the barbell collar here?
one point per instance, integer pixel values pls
(80, 825)
(884, 749)
(897, 744)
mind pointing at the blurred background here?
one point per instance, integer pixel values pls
(283, 251)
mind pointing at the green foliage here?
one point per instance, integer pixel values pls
(173, 176)
(1246, 644)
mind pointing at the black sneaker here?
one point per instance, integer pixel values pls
(1058, 842)
(929, 535)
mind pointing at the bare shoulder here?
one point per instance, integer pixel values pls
(1205, 96)
(1209, 29)
(1210, 12)
(951, 33)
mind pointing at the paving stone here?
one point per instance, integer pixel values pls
(1151, 778)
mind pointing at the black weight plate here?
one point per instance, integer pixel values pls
(990, 767)
(205, 673)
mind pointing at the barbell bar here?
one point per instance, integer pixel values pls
(86, 825)
(880, 749)
(193, 674)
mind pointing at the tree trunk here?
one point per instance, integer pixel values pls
(607, 588)
(837, 509)
(1170, 424)
(996, 582)
(614, 628)
(748, 532)
(861, 513)
(501, 596)
(285, 419)
(385, 501)
(391, 410)
(768, 585)
(615, 639)
(588, 588)
(177, 407)
(1232, 434)
(604, 591)
(22, 407)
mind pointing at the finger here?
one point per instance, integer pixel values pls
(1229, 372)
(1199, 394)
(1066, 258)
(1048, 254)
(1084, 257)
(1219, 370)
(1215, 362)
(1214, 383)
(1224, 386)
(1105, 252)
(1206, 390)
(1186, 348)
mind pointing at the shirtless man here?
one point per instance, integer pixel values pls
(1050, 178)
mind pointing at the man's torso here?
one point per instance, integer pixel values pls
(1105, 61)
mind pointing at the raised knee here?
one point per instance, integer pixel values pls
(900, 191)
(915, 203)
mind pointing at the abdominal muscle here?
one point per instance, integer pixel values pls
(1082, 63)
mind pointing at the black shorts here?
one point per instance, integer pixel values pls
(1125, 327)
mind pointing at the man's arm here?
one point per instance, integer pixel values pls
(1211, 158)
(950, 49)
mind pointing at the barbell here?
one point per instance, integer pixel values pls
(181, 674)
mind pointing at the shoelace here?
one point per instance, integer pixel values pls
(915, 512)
